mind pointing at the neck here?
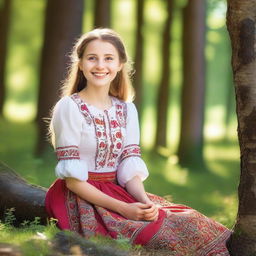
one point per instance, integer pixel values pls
(97, 97)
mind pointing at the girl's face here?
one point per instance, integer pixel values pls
(100, 63)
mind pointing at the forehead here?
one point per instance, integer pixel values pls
(100, 47)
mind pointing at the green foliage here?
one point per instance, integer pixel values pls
(9, 217)
(31, 237)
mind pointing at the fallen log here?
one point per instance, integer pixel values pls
(26, 198)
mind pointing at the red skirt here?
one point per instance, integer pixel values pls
(181, 229)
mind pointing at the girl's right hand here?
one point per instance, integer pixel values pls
(135, 211)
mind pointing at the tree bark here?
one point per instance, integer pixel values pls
(102, 13)
(5, 13)
(230, 104)
(241, 18)
(138, 60)
(63, 24)
(15, 192)
(190, 149)
(163, 91)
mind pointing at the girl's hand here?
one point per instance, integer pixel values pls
(151, 214)
(140, 211)
(136, 211)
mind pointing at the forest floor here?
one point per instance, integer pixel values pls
(212, 190)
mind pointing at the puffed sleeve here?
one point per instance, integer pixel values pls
(66, 128)
(131, 163)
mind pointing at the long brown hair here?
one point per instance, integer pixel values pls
(120, 87)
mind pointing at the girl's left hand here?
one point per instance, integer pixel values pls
(151, 213)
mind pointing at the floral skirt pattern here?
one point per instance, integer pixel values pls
(181, 229)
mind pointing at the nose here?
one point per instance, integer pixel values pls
(100, 64)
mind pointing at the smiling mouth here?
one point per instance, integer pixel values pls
(99, 74)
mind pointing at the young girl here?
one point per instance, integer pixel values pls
(100, 188)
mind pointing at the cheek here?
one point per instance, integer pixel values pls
(86, 67)
(115, 68)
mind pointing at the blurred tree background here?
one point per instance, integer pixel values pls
(183, 80)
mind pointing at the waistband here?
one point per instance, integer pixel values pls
(103, 176)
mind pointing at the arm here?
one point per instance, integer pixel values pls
(136, 188)
(85, 190)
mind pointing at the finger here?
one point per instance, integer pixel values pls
(152, 215)
(144, 206)
(151, 209)
(153, 218)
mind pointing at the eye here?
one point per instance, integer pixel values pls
(109, 58)
(91, 58)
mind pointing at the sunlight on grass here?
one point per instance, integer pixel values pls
(228, 215)
(19, 112)
(224, 152)
(176, 175)
(215, 128)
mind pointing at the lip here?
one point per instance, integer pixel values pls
(100, 74)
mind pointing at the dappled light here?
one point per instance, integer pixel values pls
(19, 112)
(190, 145)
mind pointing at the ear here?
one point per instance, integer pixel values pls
(80, 65)
(120, 66)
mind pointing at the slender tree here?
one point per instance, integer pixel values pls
(139, 40)
(241, 20)
(5, 13)
(102, 13)
(163, 91)
(190, 147)
(63, 24)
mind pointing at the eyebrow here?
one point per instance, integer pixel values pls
(94, 54)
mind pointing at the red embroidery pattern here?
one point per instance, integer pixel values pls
(180, 229)
(117, 224)
(109, 145)
(69, 152)
(81, 215)
(82, 107)
(130, 150)
(103, 177)
(186, 231)
(102, 142)
(121, 113)
(116, 137)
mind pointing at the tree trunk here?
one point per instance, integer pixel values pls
(102, 13)
(62, 25)
(241, 20)
(138, 63)
(163, 91)
(15, 192)
(5, 13)
(230, 104)
(190, 148)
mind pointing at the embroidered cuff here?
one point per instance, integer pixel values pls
(66, 153)
(130, 150)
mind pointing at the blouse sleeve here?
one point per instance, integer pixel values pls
(131, 164)
(67, 127)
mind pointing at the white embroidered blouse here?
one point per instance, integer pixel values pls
(88, 139)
